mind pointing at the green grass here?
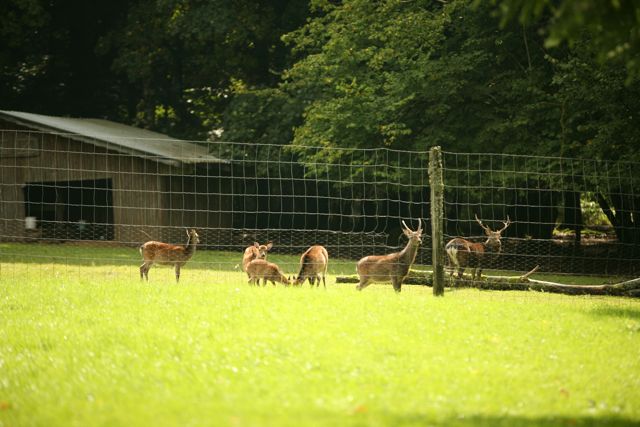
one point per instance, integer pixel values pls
(88, 343)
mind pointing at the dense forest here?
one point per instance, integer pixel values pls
(543, 77)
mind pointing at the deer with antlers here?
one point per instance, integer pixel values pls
(462, 253)
(255, 251)
(164, 253)
(392, 267)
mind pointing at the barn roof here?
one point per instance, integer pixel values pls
(118, 137)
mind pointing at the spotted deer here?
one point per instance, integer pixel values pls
(462, 253)
(392, 267)
(255, 251)
(267, 271)
(313, 266)
(166, 254)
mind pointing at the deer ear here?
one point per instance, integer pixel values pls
(256, 244)
(269, 246)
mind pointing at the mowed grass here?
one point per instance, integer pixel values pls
(84, 342)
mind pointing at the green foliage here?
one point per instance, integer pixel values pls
(612, 26)
(409, 75)
(85, 344)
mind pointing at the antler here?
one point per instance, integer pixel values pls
(419, 226)
(506, 224)
(484, 227)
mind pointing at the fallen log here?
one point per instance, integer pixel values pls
(629, 288)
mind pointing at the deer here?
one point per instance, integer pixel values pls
(313, 266)
(393, 267)
(255, 251)
(462, 253)
(166, 254)
(263, 269)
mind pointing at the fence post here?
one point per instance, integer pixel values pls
(437, 218)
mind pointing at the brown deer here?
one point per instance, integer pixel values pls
(255, 251)
(164, 253)
(265, 270)
(462, 253)
(313, 265)
(393, 267)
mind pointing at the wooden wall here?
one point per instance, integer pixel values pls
(147, 195)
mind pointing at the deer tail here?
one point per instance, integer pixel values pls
(452, 251)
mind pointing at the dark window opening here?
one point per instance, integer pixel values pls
(71, 210)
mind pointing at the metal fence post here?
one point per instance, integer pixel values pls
(437, 218)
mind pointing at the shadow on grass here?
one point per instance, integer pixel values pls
(513, 421)
(109, 255)
(102, 255)
(623, 312)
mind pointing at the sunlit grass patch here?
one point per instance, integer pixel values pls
(85, 344)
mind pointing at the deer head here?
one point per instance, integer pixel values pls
(261, 250)
(192, 236)
(493, 237)
(414, 236)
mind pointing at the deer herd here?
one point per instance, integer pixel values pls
(393, 267)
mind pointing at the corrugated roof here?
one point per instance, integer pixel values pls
(118, 137)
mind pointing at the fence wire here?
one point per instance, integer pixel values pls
(572, 216)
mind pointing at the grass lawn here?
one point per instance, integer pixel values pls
(83, 342)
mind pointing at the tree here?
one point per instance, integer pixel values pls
(187, 56)
(48, 61)
(612, 26)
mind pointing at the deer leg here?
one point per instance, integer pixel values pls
(312, 280)
(144, 270)
(177, 273)
(364, 282)
(324, 282)
(397, 283)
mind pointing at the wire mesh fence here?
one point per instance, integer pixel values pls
(59, 188)
(570, 216)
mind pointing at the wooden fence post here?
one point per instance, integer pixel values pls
(437, 218)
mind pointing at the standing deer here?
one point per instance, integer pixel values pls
(313, 265)
(255, 251)
(393, 267)
(164, 253)
(262, 269)
(463, 253)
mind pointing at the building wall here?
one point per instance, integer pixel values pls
(143, 203)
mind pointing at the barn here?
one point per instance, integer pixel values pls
(67, 179)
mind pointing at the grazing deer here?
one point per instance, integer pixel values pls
(164, 253)
(313, 265)
(262, 269)
(393, 267)
(256, 251)
(463, 253)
